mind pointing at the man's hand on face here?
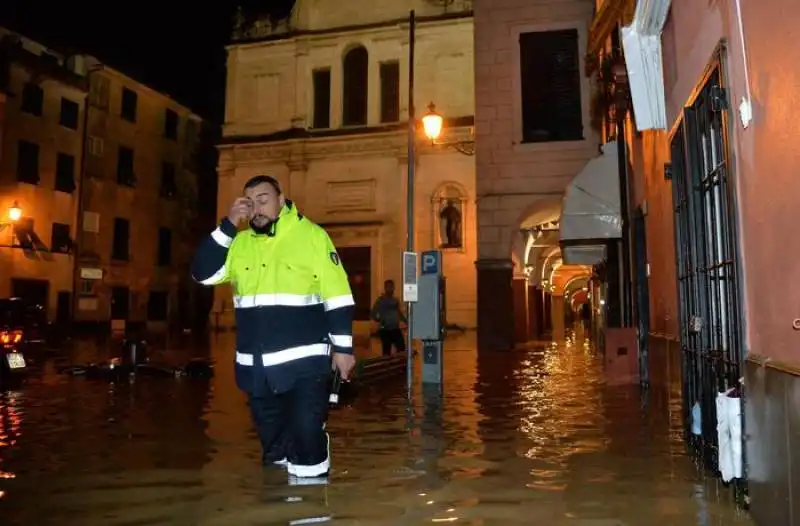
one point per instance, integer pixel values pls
(242, 209)
(344, 363)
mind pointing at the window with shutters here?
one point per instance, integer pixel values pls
(171, 125)
(70, 111)
(551, 86)
(28, 162)
(355, 69)
(125, 172)
(120, 246)
(128, 106)
(390, 92)
(164, 255)
(60, 239)
(322, 98)
(65, 173)
(99, 91)
(94, 146)
(91, 222)
(32, 99)
(157, 305)
(169, 185)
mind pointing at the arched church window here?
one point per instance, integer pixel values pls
(355, 72)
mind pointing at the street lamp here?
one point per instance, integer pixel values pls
(14, 212)
(14, 215)
(432, 123)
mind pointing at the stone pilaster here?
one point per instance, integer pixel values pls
(296, 187)
(495, 305)
(519, 286)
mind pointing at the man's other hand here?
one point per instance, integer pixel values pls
(344, 363)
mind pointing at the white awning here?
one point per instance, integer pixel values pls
(590, 210)
(641, 43)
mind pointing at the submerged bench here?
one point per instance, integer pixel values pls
(373, 369)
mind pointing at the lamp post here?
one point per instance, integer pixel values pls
(432, 124)
(412, 146)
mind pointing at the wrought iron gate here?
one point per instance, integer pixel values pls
(705, 243)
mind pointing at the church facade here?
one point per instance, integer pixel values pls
(319, 100)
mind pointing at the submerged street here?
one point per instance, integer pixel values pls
(530, 437)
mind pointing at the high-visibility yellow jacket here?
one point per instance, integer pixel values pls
(292, 298)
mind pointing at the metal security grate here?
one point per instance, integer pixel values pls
(706, 241)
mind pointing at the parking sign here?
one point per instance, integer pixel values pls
(431, 262)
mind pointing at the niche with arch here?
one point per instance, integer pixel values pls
(449, 205)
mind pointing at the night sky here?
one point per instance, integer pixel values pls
(177, 51)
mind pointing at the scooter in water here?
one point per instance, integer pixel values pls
(13, 365)
(133, 361)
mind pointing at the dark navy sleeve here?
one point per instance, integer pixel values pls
(209, 266)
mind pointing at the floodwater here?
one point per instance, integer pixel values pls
(530, 437)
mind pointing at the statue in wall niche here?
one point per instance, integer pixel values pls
(450, 219)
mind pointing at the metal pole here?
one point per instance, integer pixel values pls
(412, 136)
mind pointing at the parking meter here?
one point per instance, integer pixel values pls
(428, 316)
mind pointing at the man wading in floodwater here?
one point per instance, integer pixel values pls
(293, 304)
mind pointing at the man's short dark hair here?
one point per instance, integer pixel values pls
(261, 179)
(388, 282)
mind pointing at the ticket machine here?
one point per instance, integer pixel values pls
(429, 318)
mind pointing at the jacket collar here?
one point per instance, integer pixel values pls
(287, 219)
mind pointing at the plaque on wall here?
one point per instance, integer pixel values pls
(351, 196)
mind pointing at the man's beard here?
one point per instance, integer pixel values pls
(264, 226)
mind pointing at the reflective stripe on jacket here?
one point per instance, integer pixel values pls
(291, 296)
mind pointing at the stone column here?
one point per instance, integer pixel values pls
(495, 305)
(520, 290)
(547, 317)
(558, 317)
(534, 312)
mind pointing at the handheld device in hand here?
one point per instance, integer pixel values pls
(335, 386)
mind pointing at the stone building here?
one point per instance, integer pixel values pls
(715, 149)
(140, 204)
(534, 138)
(116, 185)
(320, 100)
(41, 137)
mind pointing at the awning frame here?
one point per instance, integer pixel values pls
(591, 211)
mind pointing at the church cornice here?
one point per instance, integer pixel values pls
(266, 30)
(301, 145)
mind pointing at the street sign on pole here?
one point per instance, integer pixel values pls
(410, 281)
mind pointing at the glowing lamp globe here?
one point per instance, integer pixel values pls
(15, 212)
(432, 123)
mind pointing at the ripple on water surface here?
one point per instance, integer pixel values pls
(532, 437)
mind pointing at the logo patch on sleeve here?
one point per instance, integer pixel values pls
(334, 258)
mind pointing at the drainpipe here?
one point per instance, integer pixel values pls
(621, 112)
(76, 264)
(626, 299)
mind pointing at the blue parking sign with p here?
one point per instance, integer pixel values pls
(431, 262)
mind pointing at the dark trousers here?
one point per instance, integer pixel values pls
(390, 337)
(291, 426)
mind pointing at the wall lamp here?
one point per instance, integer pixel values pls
(433, 123)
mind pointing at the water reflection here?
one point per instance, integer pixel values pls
(514, 438)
